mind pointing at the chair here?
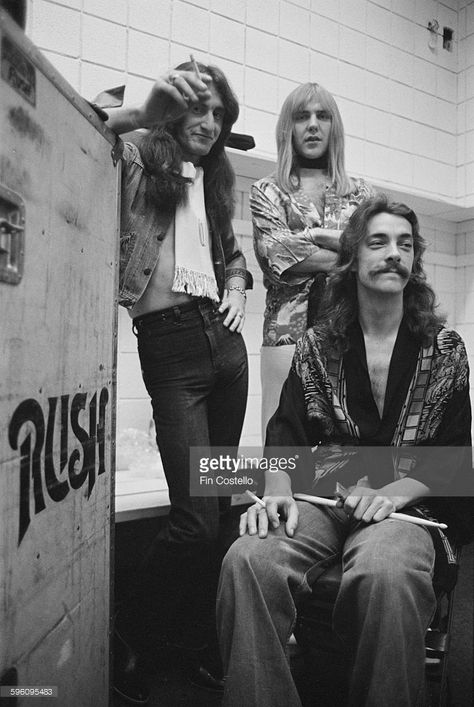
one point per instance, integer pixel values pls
(320, 646)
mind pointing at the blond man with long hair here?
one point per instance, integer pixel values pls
(298, 214)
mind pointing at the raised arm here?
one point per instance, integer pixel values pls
(169, 97)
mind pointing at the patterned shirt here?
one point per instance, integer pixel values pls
(281, 227)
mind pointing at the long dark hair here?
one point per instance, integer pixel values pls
(340, 303)
(162, 157)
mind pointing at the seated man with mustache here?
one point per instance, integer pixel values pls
(381, 388)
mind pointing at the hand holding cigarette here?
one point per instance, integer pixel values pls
(172, 94)
(252, 521)
(255, 498)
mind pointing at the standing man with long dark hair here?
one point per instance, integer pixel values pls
(183, 281)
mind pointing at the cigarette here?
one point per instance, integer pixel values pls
(255, 498)
(318, 500)
(195, 67)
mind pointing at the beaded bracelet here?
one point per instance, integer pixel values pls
(239, 289)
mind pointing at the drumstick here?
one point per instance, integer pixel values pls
(320, 501)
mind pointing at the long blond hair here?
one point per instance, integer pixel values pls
(287, 166)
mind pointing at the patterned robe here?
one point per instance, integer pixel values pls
(327, 410)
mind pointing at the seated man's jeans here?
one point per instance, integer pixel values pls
(195, 371)
(384, 607)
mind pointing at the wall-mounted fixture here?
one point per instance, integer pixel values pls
(433, 27)
(448, 35)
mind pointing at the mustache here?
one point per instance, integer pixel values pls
(395, 267)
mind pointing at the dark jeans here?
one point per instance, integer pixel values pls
(195, 371)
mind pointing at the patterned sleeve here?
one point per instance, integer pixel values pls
(277, 246)
(447, 424)
(454, 500)
(448, 395)
(290, 430)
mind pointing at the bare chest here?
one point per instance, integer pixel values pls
(158, 294)
(379, 355)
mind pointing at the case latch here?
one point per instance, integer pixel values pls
(12, 236)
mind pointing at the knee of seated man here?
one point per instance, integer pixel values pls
(408, 549)
(394, 574)
(250, 554)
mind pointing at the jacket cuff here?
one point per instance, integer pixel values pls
(240, 272)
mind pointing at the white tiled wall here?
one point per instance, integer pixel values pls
(465, 182)
(408, 111)
(372, 54)
(465, 158)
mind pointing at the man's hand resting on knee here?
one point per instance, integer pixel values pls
(277, 504)
(258, 519)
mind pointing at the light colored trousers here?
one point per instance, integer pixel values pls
(275, 362)
(385, 604)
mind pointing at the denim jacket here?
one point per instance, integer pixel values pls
(143, 229)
